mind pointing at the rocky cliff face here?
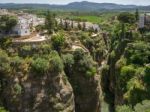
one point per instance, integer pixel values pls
(87, 93)
(51, 93)
(56, 89)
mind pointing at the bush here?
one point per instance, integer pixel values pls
(40, 65)
(45, 48)
(127, 72)
(135, 91)
(56, 64)
(123, 108)
(91, 72)
(120, 63)
(5, 42)
(17, 88)
(16, 62)
(4, 62)
(78, 54)
(7, 23)
(113, 54)
(138, 53)
(26, 51)
(58, 42)
(68, 60)
(84, 63)
(143, 107)
(126, 17)
(147, 76)
(2, 109)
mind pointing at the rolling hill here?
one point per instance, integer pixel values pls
(75, 6)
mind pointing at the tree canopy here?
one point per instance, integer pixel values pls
(7, 23)
(127, 17)
(50, 22)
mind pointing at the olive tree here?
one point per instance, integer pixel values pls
(7, 23)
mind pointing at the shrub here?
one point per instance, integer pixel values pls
(68, 60)
(39, 28)
(142, 107)
(120, 63)
(4, 62)
(123, 108)
(45, 48)
(78, 54)
(58, 42)
(126, 17)
(17, 88)
(137, 59)
(16, 62)
(138, 53)
(127, 72)
(113, 54)
(135, 91)
(5, 42)
(26, 51)
(40, 65)
(84, 63)
(7, 23)
(91, 72)
(2, 109)
(56, 64)
(147, 76)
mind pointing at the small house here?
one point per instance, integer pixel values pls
(22, 28)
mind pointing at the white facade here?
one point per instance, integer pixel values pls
(22, 28)
(141, 21)
(26, 24)
(144, 19)
(3, 11)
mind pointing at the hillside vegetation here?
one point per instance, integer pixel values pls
(78, 69)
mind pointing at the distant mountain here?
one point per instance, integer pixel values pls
(76, 6)
(97, 6)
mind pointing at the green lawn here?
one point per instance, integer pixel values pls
(105, 17)
(93, 19)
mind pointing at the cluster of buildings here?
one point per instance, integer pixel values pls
(26, 22)
(144, 20)
(3, 11)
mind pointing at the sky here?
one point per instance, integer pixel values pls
(135, 2)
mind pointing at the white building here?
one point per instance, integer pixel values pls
(144, 20)
(3, 11)
(141, 21)
(22, 28)
(26, 24)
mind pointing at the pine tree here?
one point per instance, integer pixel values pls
(50, 22)
(79, 26)
(66, 25)
(137, 14)
(72, 24)
(84, 26)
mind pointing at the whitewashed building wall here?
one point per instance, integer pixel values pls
(141, 21)
(22, 28)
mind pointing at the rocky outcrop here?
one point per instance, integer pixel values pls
(49, 93)
(87, 92)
